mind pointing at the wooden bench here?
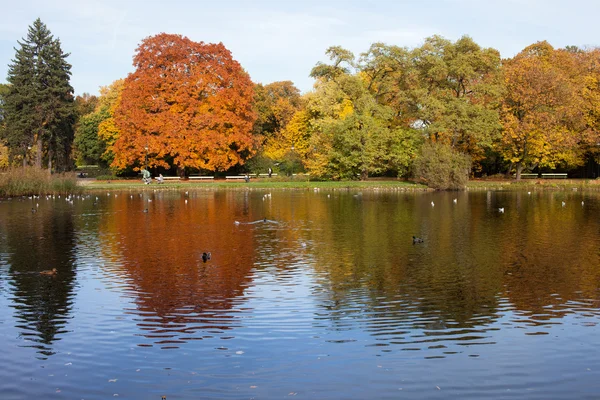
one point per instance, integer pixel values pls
(265, 175)
(554, 176)
(170, 178)
(236, 177)
(198, 177)
(529, 176)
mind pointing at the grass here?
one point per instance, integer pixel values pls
(535, 184)
(33, 181)
(374, 184)
(255, 184)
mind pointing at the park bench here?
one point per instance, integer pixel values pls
(554, 176)
(198, 177)
(265, 175)
(529, 176)
(236, 177)
(170, 178)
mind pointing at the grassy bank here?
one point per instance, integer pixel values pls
(376, 184)
(32, 181)
(535, 184)
(254, 184)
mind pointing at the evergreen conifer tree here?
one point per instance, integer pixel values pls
(39, 108)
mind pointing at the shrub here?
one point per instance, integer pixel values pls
(29, 181)
(441, 167)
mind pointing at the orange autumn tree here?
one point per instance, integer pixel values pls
(188, 104)
(541, 111)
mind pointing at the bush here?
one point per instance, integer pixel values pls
(29, 181)
(441, 167)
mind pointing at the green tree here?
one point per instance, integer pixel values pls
(354, 136)
(3, 149)
(451, 91)
(39, 107)
(96, 130)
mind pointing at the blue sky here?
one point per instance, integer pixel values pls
(283, 40)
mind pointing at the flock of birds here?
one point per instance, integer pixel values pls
(206, 256)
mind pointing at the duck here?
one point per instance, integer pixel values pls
(455, 201)
(33, 210)
(145, 210)
(432, 204)
(563, 204)
(205, 256)
(417, 240)
(49, 272)
(501, 210)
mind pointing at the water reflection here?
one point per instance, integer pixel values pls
(335, 275)
(33, 242)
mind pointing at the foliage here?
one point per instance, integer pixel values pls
(187, 103)
(353, 136)
(85, 104)
(442, 167)
(276, 105)
(4, 153)
(34, 181)
(96, 130)
(450, 91)
(541, 111)
(39, 110)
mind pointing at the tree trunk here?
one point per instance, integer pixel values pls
(38, 154)
(364, 174)
(50, 155)
(519, 170)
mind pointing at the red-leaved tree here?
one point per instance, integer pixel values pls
(187, 104)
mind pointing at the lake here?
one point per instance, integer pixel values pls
(327, 299)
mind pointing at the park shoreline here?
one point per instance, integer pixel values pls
(369, 185)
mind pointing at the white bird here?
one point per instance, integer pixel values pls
(564, 204)
(236, 222)
(432, 204)
(528, 192)
(185, 201)
(455, 201)
(582, 203)
(501, 210)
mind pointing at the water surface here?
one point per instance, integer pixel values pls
(329, 298)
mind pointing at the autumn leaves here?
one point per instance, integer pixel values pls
(188, 104)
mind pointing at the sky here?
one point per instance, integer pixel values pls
(276, 40)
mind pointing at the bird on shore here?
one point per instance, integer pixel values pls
(432, 204)
(563, 204)
(455, 201)
(49, 272)
(582, 203)
(33, 210)
(417, 240)
(205, 256)
(145, 210)
(501, 210)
